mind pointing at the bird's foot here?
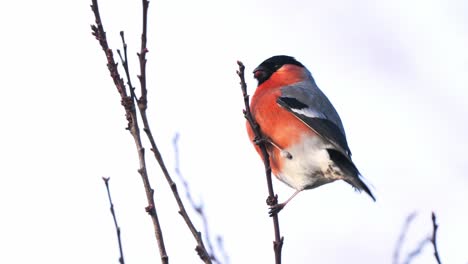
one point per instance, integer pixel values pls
(275, 209)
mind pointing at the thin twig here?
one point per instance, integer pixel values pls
(430, 239)
(272, 198)
(417, 251)
(129, 104)
(197, 207)
(117, 228)
(200, 248)
(220, 244)
(124, 60)
(401, 238)
(142, 106)
(435, 226)
(135, 131)
(142, 102)
(100, 34)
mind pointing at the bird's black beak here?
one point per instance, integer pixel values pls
(261, 74)
(258, 72)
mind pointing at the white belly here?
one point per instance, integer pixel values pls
(310, 165)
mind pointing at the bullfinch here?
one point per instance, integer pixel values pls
(302, 131)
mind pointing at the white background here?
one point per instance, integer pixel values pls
(397, 72)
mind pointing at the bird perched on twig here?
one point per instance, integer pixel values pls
(301, 129)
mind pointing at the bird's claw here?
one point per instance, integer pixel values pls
(275, 209)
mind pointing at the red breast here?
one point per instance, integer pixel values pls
(275, 122)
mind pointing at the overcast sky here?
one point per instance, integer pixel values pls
(396, 71)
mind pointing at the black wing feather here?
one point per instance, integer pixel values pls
(322, 126)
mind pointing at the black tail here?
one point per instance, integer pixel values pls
(348, 167)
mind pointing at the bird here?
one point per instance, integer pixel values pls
(302, 131)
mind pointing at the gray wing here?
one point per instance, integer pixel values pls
(310, 105)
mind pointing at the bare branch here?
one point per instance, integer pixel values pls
(272, 198)
(434, 237)
(117, 228)
(142, 106)
(200, 248)
(129, 105)
(401, 238)
(197, 207)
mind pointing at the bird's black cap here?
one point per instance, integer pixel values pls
(269, 66)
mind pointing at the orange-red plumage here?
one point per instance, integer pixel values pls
(276, 123)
